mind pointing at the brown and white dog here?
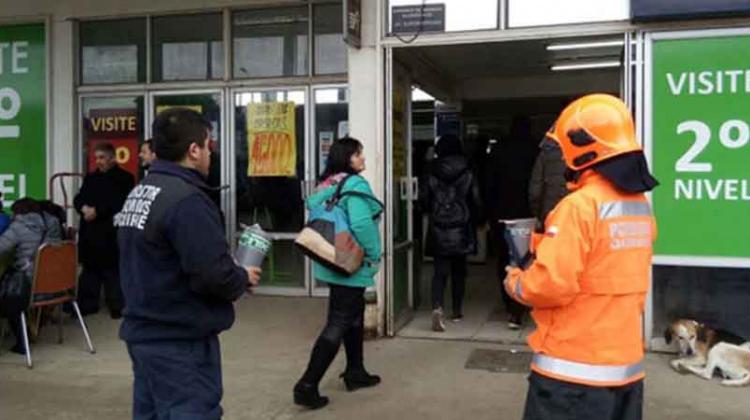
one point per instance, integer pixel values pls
(704, 349)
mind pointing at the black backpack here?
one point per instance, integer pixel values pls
(449, 205)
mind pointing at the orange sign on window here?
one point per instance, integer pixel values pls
(271, 135)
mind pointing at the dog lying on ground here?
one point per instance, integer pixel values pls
(704, 349)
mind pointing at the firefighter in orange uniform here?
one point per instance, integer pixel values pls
(588, 281)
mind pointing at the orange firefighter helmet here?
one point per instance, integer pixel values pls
(594, 128)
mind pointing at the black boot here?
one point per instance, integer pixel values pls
(355, 376)
(356, 379)
(306, 390)
(307, 395)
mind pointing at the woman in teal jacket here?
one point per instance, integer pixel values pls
(346, 305)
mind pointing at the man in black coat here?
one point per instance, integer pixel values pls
(509, 166)
(101, 197)
(178, 277)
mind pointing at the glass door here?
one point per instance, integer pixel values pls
(270, 173)
(330, 123)
(208, 104)
(402, 192)
(116, 119)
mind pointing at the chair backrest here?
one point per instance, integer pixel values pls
(55, 269)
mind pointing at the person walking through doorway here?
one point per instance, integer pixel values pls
(449, 198)
(547, 185)
(346, 304)
(508, 169)
(588, 282)
(101, 196)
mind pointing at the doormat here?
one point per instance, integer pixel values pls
(499, 361)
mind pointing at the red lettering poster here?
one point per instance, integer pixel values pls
(119, 127)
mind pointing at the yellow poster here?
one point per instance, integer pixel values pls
(271, 139)
(162, 108)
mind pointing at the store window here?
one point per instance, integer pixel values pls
(331, 121)
(117, 120)
(712, 295)
(270, 173)
(270, 42)
(113, 51)
(187, 47)
(330, 49)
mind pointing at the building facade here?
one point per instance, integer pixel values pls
(279, 84)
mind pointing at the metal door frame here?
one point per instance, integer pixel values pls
(315, 290)
(232, 171)
(392, 324)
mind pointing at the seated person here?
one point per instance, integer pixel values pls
(4, 218)
(28, 230)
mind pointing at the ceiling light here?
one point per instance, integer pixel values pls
(586, 65)
(586, 45)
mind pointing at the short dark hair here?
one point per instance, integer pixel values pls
(448, 145)
(175, 130)
(25, 205)
(340, 156)
(149, 143)
(105, 147)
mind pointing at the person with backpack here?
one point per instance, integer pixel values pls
(449, 198)
(346, 304)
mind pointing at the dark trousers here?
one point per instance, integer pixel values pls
(550, 399)
(90, 285)
(513, 308)
(177, 379)
(11, 308)
(455, 267)
(346, 313)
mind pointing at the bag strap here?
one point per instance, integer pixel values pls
(364, 195)
(339, 189)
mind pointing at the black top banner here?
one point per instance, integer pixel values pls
(652, 10)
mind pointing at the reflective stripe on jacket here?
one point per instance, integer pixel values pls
(588, 285)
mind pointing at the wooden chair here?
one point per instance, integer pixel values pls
(55, 283)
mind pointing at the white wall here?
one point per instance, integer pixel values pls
(556, 12)
(366, 116)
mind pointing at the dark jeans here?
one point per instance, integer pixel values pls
(513, 308)
(346, 313)
(455, 267)
(177, 379)
(550, 399)
(90, 288)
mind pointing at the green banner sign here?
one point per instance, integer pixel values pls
(23, 112)
(701, 146)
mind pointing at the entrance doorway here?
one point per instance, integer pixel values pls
(499, 99)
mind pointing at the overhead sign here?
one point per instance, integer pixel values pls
(23, 112)
(118, 127)
(700, 142)
(644, 10)
(421, 18)
(271, 139)
(353, 23)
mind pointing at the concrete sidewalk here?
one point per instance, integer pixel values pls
(267, 350)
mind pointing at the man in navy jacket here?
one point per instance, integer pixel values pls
(178, 277)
